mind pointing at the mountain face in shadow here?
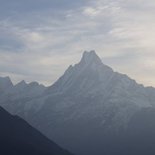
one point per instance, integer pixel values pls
(141, 133)
(138, 138)
(90, 109)
(17, 137)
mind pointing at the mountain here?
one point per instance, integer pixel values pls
(5, 83)
(140, 134)
(17, 137)
(89, 109)
(90, 105)
(17, 98)
(85, 77)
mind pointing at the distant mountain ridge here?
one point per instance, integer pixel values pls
(86, 107)
(16, 98)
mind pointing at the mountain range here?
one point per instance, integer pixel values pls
(89, 110)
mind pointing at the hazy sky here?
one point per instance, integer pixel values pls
(39, 39)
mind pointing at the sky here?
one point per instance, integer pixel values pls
(39, 39)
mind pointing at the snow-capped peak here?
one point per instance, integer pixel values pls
(90, 57)
(5, 83)
(21, 84)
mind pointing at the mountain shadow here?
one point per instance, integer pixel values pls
(137, 139)
(17, 137)
(140, 133)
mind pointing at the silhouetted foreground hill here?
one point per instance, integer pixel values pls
(17, 137)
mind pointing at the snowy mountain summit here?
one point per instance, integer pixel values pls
(90, 57)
